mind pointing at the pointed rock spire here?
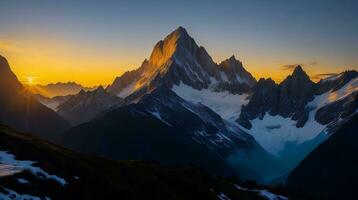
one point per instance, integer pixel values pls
(165, 49)
(298, 71)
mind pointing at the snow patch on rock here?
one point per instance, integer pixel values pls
(227, 105)
(273, 132)
(324, 99)
(12, 195)
(264, 193)
(222, 196)
(157, 115)
(10, 166)
(127, 90)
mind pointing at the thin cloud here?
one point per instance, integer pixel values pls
(322, 76)
(291, 67)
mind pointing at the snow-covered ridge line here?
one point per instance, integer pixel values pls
(10, 166)
(329, 97)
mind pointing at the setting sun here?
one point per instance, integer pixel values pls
(30, 80)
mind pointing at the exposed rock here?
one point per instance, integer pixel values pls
(264, 99)
(335, 82)
(86, 105)
(338, 109)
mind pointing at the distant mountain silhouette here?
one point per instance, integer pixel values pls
(58, 89)
(84, 106)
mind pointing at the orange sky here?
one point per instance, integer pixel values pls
(53, 60)
(92, 43)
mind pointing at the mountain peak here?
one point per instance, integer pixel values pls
(4, 65)
(100, 90)
(232, 58)
(298, 68)
(178, 59)
(181, 30)
(82, 92)
(165, 49)
(8, 80)
(299, 72)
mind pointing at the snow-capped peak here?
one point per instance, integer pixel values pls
(235, 71)
(178, 59)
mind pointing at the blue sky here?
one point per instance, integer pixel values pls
(322, 35)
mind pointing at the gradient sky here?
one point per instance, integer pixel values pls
(92, 42)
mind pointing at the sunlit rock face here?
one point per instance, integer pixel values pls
(178, 59)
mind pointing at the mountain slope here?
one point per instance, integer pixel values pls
(41, 170)
(19, 109)
(84, 106)
(53, 102)
(330, 171)
(133, 133)
(160, 124)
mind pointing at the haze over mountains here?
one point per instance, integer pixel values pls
(58, 89)
(180, 107)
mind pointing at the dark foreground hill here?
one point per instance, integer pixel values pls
(330, 171)
(58, 173)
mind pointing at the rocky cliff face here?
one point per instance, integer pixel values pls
(294, 93)
(264, 99)
(288, 99)
(85, 106)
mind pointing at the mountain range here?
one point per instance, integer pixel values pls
(181, 108)
(243, 121)
(57, 89)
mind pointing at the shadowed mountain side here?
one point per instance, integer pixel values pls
(84, 106)
(91, 177)
(330, 171)
(19, 109)
(130, 133)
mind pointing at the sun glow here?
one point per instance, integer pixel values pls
(31, 80)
